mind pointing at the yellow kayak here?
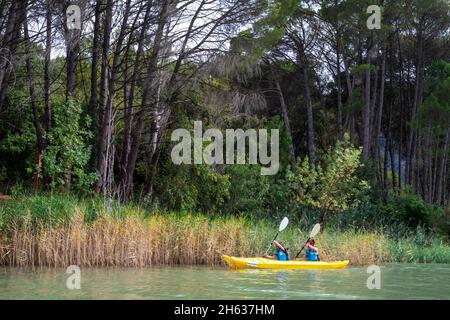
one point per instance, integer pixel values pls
(264, 263)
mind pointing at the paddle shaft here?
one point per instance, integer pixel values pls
(271, 242)
(302, 248)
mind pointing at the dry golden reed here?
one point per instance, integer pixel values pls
(128, 241)
(359, 248)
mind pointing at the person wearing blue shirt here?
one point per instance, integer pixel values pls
(281, 253)
(312, 253)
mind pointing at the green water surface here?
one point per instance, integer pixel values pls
(398, 281)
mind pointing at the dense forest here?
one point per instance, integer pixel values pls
(90, 92)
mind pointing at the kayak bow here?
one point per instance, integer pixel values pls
(264, 263)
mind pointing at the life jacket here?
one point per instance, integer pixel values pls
(311, 255)
(281, 255)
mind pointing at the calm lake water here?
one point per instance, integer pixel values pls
(398, 281)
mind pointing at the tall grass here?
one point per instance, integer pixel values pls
(405, 250)
(122, 241)
(58, 231)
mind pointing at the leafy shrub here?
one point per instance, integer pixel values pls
(331, 186)
(413, 211)
(443, 223)
(192, 188)
(279, 198)
(248, 189)
(67, 155)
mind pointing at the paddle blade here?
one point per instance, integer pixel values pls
(283, 224)
(315, 230)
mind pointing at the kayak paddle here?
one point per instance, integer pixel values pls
(315, 230)
(283, 226)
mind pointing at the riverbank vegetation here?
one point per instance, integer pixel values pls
(59, 230)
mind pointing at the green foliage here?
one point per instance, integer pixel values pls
(270, 28)
(188, 187)
(355, 101)
(67, 155)
(284, 141)
(413, 211)
(333, 185)
(361, 69)
(443, 223)
(18, 146)
(192, 188)
(435, 111)
(248, 190)
(279, 199)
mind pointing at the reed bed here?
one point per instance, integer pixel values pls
(88, 235)
(131, 241)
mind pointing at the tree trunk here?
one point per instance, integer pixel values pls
(350, 113)
(159, 126)
(32, 89)
(129, 107)
(441, 180)
(163, 106)
(309, 108)
(107, 121)
(386, 157)
(33, 102)
(385, 169)
(392, 157)
(366, 114)
(48, 50)
(373, 115)
(72, 52)
(417, 101)
(284, 113)
(105, 114)
(96, 50)
(381, 102)
(400, 144)
(16, 16)
(147, 101)
(339, 88)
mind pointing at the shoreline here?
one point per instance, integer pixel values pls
(203, 266)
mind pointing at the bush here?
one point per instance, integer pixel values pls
(248, 191)
(413, 211)
(192, 188)
(443, 223)
(67, 155)
(333, 185)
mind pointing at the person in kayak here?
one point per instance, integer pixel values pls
(281, 253)
(312, 253)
